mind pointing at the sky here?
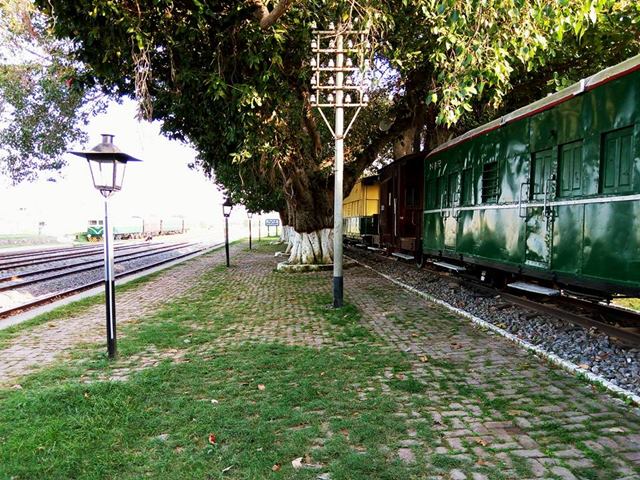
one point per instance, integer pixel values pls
(161, 185)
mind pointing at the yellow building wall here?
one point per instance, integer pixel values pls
(362, 201)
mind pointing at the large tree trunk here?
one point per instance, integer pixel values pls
(310, 216)
(285, 232)
(312, 248)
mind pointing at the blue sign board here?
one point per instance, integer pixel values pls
(272, 222)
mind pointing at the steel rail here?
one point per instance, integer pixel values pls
(59, 295)
(56, 258)
(610, 312)
(94, 265)
(620, 333)
(554, 310)
(43, 251)
(69, 266)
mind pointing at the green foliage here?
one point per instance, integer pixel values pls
(477, 50)
(238, 92)
(42, 108)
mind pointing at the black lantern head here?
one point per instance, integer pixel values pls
(227, 206)
(107, 164)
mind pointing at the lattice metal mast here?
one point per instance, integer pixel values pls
(339, 82)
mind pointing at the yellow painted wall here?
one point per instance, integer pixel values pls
(363, 201)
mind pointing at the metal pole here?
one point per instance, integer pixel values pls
(249, 234)
(109, 284)
(338, 282)
(226, 238)
(259, 227)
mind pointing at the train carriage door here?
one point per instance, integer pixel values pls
(538, 234)
(450, 213)
(386, 212)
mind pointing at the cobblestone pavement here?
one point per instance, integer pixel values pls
(42, 345)
(493, 401)
(491, 406)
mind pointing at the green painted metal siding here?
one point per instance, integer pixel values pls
(568, 239)
(95, 231)
(570, 170)
(582, 153)
(616, 172)
(612, 241)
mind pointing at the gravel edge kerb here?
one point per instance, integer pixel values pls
(552, 357)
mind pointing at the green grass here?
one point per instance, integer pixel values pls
(409, 385)
(157, 423)
(345, 407)
(68, 310)
(112, 430)
(633, 303)
(347, 317)
(75, 308)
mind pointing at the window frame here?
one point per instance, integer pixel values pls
(573, 191)
(617, 189)
(495, 194)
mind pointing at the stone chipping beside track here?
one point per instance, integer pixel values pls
(589, 349)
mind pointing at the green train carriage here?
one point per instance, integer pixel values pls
(549, 192)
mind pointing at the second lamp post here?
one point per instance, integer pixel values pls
(227, 206)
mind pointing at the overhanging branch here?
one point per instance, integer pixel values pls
(268, 18)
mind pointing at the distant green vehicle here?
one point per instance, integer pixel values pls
(95, 231)
(137, 227)
(550, 192)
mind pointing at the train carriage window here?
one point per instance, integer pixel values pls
(411, 197)
(490, 189)
(540, 171)
(617, 161)
(467, 187)
(432, 193)
(453, 195)
(570, 169)
(443, 192)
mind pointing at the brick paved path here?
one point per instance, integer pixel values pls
(40, 346)
(491, 404)
(536, 420)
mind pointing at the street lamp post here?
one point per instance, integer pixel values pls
(339, 65)
(227, 206)
(250, 215)
(107, 164)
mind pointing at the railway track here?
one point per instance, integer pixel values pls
(193, 249)
(620, 324)
(584, 313)
(44, 257)
(15, 280)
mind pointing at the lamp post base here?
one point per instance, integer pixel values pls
(110, 304)
(226, 239)
(338, 284)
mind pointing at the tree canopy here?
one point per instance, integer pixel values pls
(236, 86)
(41, 110)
